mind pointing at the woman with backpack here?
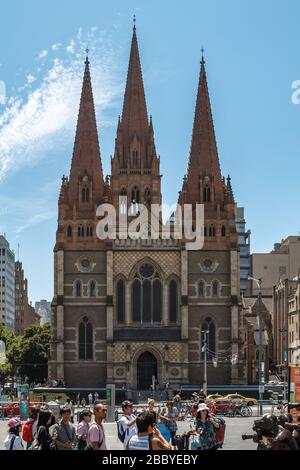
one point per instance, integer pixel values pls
(205, 429)
(30, 427)
(85, 417)
(13, 440)
(43, 439)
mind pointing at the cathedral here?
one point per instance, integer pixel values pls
(125, 310)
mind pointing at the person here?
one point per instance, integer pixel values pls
(170, 416)
(127, 423)
(201, 397)
(147, 437)
(177, 402)
(43, 440)
(205, 428)
(78, 400)
(83, 402)
(90, 397)
(96, 434)
(13, 440)
(70, 406)
(83, 428)
(96, 396)
(30, 427)
(65, 431)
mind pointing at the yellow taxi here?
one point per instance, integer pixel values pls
(236, 397)
(213, 397)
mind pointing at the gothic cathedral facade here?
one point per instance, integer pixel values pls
(123, 309)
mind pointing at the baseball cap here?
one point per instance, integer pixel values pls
(14, 423)
(126, 403)
(203, 407)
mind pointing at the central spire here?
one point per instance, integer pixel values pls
(134, 116)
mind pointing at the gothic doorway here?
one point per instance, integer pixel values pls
(146, 368)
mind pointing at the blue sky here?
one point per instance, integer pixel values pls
(252, 59)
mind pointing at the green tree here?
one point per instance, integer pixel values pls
(31, 353)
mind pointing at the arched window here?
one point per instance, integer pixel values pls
(78, 290)
(205, 231)
(80, 231)
(212, 231)
(146, 296)
(208, 326)
(120, 301)
(223, 231)
(92, 289)
(69, 231)
(173, 301)
(206, 194)
(135, 158)
(201, 289)
(89, 231)
(135, 200)
(136, 301)
(215, 289)
(85, 195)
(85, 343)
(123, 201)
(157, 301)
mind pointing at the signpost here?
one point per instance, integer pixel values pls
(23, 392)
(110, 402)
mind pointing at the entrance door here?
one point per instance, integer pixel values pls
(146, 368)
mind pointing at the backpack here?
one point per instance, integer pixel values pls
(121, 432)
(27, 431)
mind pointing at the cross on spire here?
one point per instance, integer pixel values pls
(134, 21)
(87, 56)
(202, 54)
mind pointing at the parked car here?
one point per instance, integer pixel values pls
(236, 397)
(215, 396)
(219, 406)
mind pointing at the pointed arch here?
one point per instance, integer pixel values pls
(85, 340)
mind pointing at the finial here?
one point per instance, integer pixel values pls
(87, 62)
(134, 21)
(202, 56)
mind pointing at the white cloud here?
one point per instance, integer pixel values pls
(43, 54)
(71, 47)
(56, 46)
(31, 127)
(35, 220)
(30, 79)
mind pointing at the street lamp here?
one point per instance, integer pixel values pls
(261, 368)
(205, 332)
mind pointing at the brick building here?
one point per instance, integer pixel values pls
(25, 314)
(123, 309)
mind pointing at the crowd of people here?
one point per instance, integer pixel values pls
(153, 428)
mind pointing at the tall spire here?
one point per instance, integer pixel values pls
(86, 158)
(203, 152)
(134, 116)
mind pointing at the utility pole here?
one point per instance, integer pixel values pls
(261, 376)
(205, 333)
(261, 364)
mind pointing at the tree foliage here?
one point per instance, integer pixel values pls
(27, 355)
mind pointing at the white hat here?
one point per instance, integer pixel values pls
(203, 407)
